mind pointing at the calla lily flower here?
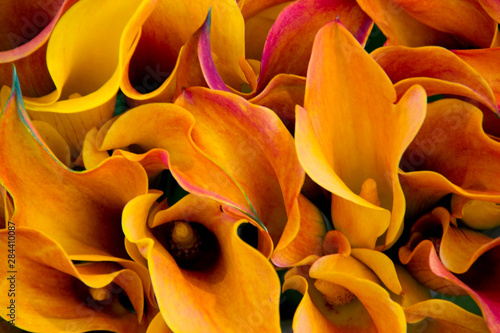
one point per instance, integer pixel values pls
(451, 24)
(80, 210)
(450, 154)
(26, 28)
(66, 297)
(438, 70)
(87, 83)
(293, 41)
(208, 140)
(201, 269)
(453, 260)
(155, 63)
(342, 294)
(350, 137)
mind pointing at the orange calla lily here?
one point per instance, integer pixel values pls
(52, 294)
(452, 260)
(293, 41)
(80, 210)
(450, 154)
(451, 24)
(154, 65)
(341, 293)
(201, 269)
(86, 84)
(210, 139)
(350, 137)
(436, 69)
(25, 29)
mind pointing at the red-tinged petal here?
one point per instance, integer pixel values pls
(81, 211)
(492, 7)
(283, 92)
(426, 267)
(486, 63)
(245, 134)
(25, 30)
(443, 316)
(436, 69)
(153, 68)
(459, 156)
(173, 126)
(334, 105)
(464, 19)
(359, 280)
(400, 28)
(87, 83)
(52, 295)
(289, 43)
(257, 28)
(240, 279)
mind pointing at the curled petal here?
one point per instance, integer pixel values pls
(450, 154)
(333, 113)
(463, 19)
(251, 297)
(65, 298)
(443, 316)
(25, 43)
(81, 211)
(436, 69)
(292, 35)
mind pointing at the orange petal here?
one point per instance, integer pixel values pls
(241, 279)
(401, 28)
(424, 264)
(81, 211)
(378, 139)
(283, 92)
(54, 141)
(476, 214)
(245, 134)
(158, 325)
(438, 70)
(52, 295)
(25, 43)
(443, 316)
(461, 159)
(154, 66)
(466, 20)
(91, 156)
(289, 42)
(87, 83)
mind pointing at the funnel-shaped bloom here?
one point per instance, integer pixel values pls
(439, 71)
(218, 145)
(25, 27)
(80, 210)
(162, 50)
(455, 261)
(343, 294)
(450, 23)
(86, 83)
(350, 137)
(52, 294)
(205, 277)
(450, 154)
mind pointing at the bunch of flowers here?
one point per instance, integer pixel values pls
(250, 166)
